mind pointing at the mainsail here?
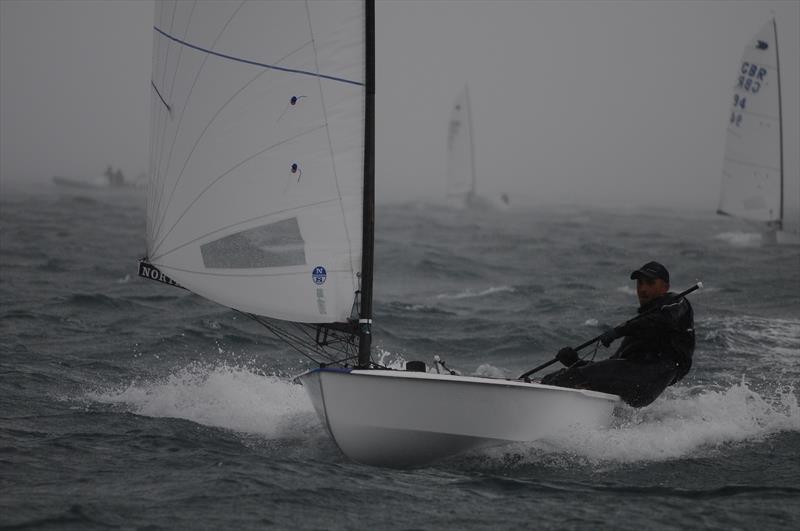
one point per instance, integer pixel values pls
(258, 156)
(460, 151)
(261, 188)
(752, 175)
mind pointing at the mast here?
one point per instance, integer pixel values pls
(368, 229)
(471, 143)
(780, 119)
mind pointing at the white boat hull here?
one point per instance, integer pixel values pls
(98, 182)
(409, 419)
(783, 237)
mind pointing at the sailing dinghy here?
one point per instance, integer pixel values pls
(461, 183)
(753, 185)
(261, 198)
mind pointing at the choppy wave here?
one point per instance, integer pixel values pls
(685, 422)
(514, 289)
(97, 301)
(769, 340)
(418, 308)
(236, 398)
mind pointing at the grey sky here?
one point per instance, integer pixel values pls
(611, 102)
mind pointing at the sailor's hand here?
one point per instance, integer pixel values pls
(567, 356)
(608, 337)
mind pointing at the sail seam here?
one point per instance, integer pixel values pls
(256, 63)
(766, 66)
(164, 124)
(156, 158)
(734, 132)
(214, 274)
(163, 182)
(751, 164)
(759, 115)
(161, 217)
(215, 181)
(330, 144)
(239, 223)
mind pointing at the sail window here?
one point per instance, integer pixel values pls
(275, 245)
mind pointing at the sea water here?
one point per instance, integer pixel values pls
(125, 403)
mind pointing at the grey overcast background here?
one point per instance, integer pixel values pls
(613, 103)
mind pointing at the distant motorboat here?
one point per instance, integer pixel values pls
(94, 182)
(110, 179)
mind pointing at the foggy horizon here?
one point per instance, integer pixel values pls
(600, 103)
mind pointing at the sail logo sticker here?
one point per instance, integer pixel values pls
(319, 275)
(150, 271)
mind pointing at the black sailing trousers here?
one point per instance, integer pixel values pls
(637, 383)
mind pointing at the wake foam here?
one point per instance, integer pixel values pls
(684, 422)
(740, 239)
(235, 398)
(468, 293)
(627, 290)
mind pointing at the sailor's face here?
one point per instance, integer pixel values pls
(648, 289)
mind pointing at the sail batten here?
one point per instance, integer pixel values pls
(255, 63)
(218, 179)
(751, 164)
(258, 118)
(247, 222)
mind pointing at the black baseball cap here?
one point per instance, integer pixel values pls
(651, 270)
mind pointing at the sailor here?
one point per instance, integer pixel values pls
(656, 349)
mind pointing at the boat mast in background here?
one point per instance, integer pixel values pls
(461, 176)
(780, 122)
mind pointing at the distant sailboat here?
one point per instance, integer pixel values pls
(461, 181)
(753, 185)
(109, 179)
(261, 198)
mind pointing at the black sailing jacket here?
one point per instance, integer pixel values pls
(666, 334)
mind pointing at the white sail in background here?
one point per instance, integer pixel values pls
(460, 152)
(751, 175)
(257, 154)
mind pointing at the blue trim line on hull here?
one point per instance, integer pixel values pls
(255, 63)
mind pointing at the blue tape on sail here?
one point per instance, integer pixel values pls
(255, 63)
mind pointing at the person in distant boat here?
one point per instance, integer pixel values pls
(656, 350)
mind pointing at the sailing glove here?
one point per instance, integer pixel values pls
(567, 356)
(609, 336)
